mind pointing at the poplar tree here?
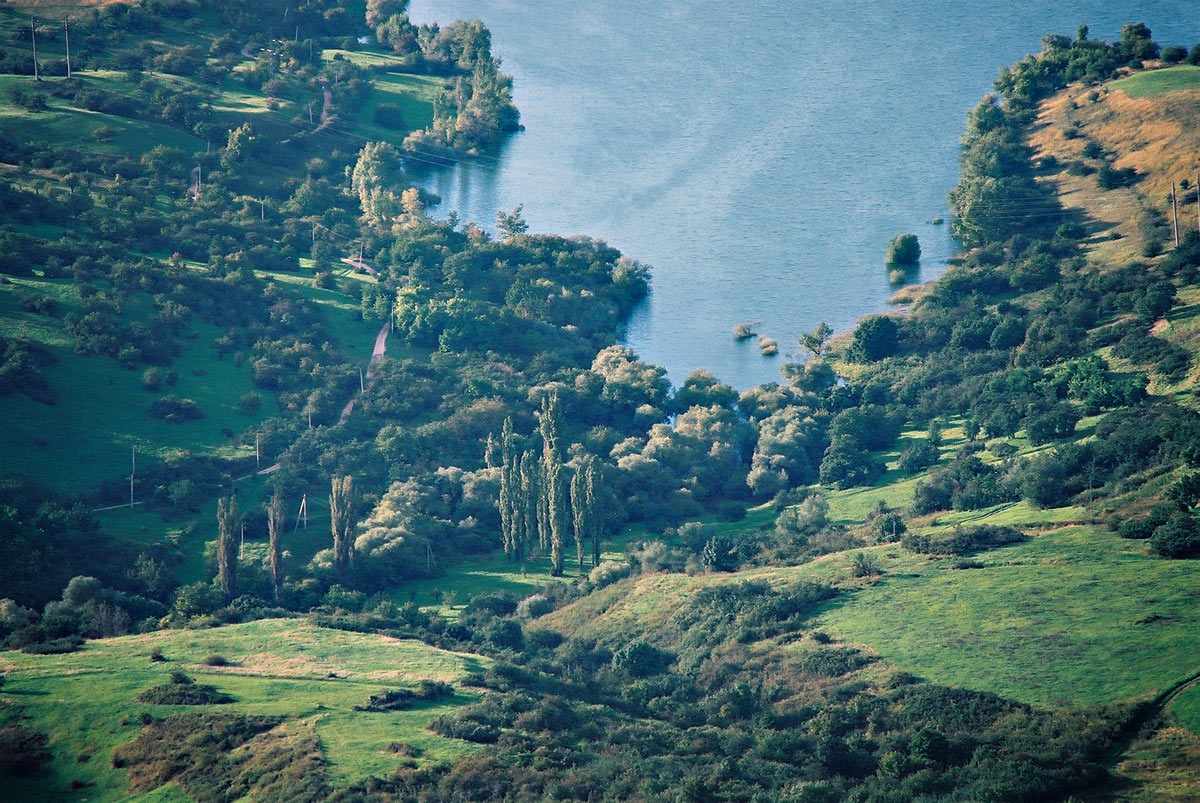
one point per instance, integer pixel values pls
(228, 526)
(595, 520)
(579, 511)
(585, 515)
(554, 490)
(529, 503)
(275, 533)
(341, 520)
(510, 489)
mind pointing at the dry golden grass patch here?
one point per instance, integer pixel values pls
(1156, 136)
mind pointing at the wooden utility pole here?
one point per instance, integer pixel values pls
(67, 34)
(33, 31)
(132, 472)
(262, 210)
(361, 387)
(1175, 214)
(242, 542)
(257, 452)
(360, 253)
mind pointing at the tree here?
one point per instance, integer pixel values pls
(874, 339)
(376, 172)
(511, 224)
(585, 515)
(814, 342)
(229, 523)
(510, 501)
(903, 249)
(239, 145)
(341, 520)
(275, 535)
(553, 490)
(380, 10)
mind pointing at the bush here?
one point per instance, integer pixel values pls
(389, 116)
(608, 573)
(903, 249)
(56, 646)
(832, 662)
(182, 690)
(22, 750)
(963, 540)
(216, 660)
(641, 660)
(175, 410)
(1179, 537)
(920, 455)
(465, 729)
(404, 699)
(863, 565)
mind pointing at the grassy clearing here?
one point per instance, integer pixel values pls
(66, 126)
(101, 413)
(1152, 83)
(1186, 708)
(412, 94)
(1061, 619)
(84, 701)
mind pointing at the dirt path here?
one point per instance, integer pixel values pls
(376, 355)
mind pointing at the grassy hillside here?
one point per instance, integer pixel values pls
(312, 676)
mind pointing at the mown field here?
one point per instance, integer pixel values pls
(314, 676)
(1152, 83)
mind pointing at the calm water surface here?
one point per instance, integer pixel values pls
(756, 155)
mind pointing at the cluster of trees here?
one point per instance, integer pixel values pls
(541, 498)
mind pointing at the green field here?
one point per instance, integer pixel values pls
(101, 412)
(85, 701)
(1063, 618)
(1152, 83)
(1186, 708)
(412, 94)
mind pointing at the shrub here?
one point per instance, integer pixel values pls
(608, 573)
(250, 403)
(832, 662)
(182, 690)
(903, 249)
(56, 646)
(1179, 537)
(465, 729)
(216, 660)
(863, 565)
(641, 660)
(533, 606)
(403, 699)
(176, 410)
(389, 115)
(963, 540)
(920, 455)
(22, 750)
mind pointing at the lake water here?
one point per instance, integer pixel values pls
(757, 155)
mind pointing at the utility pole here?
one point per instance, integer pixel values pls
(262, 210)
(360, 253)
(314, 233)
(257, 453)
(1174, 214)
(132, 472)
(242, 542)
(33, 31)
(310, 119)
(67, 34)
(361, 387)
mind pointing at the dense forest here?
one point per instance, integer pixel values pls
(507, 417)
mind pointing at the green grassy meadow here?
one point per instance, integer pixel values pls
(1186, 708)
(85, 700)
(1152, 83)
(1060, 619)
